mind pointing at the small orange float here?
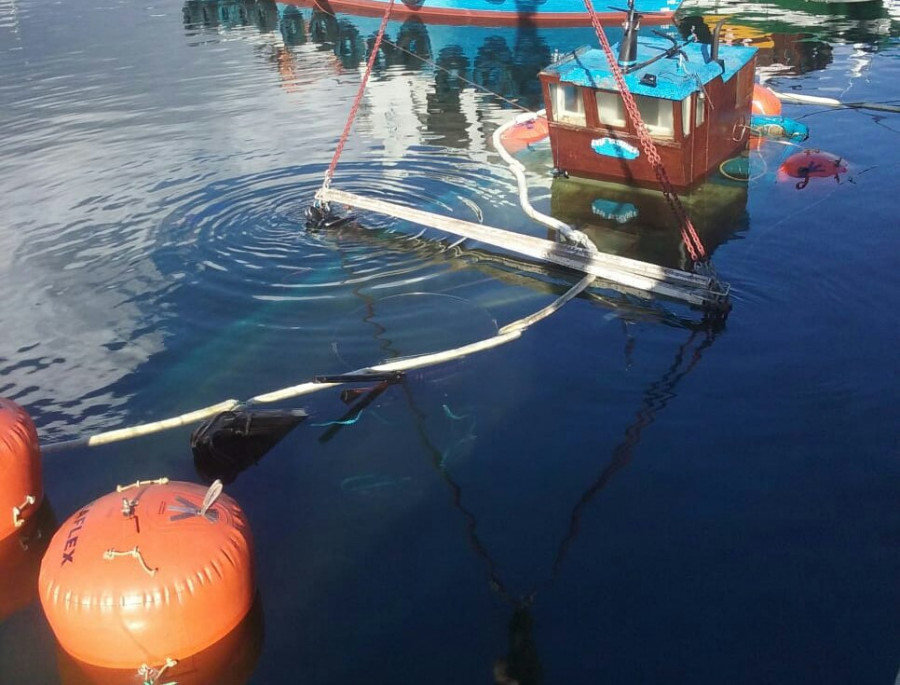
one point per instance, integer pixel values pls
(154, 572)
(812, 163)
(523, 133)
(21, 491)
(765, 101)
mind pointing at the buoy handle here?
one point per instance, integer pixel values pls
(152, 675)
(18, 521)
(139, 483)
(133, 552)
(211, 496)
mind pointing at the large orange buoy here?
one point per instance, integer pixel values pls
(21, 491)
(810, 163)
(765, 101)
(153, 572)
(524, 133)
(20, 560)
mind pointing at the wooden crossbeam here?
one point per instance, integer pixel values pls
(694, 289)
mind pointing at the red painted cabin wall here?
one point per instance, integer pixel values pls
(687, 160)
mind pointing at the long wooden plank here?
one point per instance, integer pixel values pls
(680, 285)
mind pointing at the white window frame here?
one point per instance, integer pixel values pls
(560, 112)
(654, 127)
(604, 99)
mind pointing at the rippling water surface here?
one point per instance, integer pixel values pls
(618, 496)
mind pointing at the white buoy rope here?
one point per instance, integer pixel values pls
(801, 99)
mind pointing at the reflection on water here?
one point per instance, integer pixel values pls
(782, 53)
(499, 61)
(872, 22)
(640, 224)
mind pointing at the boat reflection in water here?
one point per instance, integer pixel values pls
(232, 14)
(799, 36)
(443, 60)
(867, 21)
(559, 13)
(639, 224)
(788, 51)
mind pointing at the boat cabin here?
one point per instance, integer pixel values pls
(695, 100)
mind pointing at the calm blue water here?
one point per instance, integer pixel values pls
(678, 506)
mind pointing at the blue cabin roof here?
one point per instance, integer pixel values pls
(676, 77)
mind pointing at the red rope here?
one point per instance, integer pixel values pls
(356, 102)
(688, 234)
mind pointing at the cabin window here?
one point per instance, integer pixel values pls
(610, 108)
(658, 115)
(700, 110)
(686, 116)
(568, 105)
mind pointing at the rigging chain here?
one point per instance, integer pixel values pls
(358, 99)
(688, 233)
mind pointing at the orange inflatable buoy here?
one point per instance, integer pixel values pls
(21, 491)
(524, 133)
(811, 163)
(765, 101)
(154, 572)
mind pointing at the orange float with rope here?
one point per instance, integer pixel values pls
(148, 575)
(524, 133)
(811, 163)
(21, 490)
(765, 101)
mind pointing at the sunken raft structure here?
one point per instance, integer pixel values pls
(694, 98)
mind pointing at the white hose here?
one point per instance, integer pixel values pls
(568, 232)
(808, 99)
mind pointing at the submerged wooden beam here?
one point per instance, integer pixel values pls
(700, 291)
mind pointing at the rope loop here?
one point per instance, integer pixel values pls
(18, 521)
(133, 552)
(139, 483)
(152, 675)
